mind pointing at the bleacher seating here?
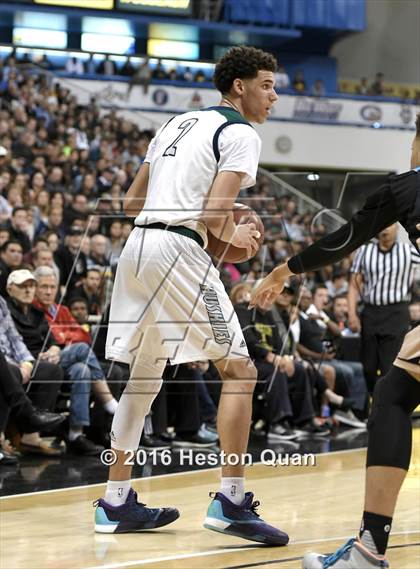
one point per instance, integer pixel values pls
(323, 14)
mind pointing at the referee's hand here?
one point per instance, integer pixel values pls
(354, 323)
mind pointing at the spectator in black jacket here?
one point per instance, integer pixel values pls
(70, 260)
(31, 323)
(11, 256)
(18, 226)
(79, 208)
(89, 290)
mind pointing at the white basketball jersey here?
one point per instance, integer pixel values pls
(186, 155)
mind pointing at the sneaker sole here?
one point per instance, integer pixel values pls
(156, 449)
(115, 528)
(275, 437)
(105, 529)
(305, 435)
(220, 526)
(186, 444)
(349, 422)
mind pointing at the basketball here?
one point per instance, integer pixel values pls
(228, 253)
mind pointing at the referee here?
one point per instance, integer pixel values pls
(382, 274)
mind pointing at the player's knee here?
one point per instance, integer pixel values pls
(242, 372)
(395, 397)
(144, 386)
(145, 379)
(397, 387)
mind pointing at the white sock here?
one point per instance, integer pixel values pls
(111, 406)
(75, 432)
(233, 489)
(117, 491)
(368, 542)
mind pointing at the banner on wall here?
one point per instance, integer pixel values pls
(321, 110)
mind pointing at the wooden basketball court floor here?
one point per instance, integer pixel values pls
(319, 506)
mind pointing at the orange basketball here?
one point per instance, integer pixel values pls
(226, 253)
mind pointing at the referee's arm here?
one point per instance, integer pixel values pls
(355, 290)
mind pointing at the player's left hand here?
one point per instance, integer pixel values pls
(271, 286)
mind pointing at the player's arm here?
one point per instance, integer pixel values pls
(218, 215)
(379, 212)
(137, 192)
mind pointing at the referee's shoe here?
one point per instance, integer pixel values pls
(353, 555)
(131, 516)
(241, 521)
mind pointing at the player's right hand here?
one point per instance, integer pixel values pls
(269, 289)
(245, 237)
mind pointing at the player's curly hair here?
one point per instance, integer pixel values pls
(418, 126)
(241, 62)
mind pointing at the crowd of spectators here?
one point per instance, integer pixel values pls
(64, 169)
(379, 88)
(143, 72)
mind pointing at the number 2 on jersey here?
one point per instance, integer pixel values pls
(185, 127)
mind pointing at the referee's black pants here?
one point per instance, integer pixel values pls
(383, 330)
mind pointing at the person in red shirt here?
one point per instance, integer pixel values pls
(74, 342)
(64, 327)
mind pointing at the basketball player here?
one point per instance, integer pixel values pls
(168, 301)
(397, 394)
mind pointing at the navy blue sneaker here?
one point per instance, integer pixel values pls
(242, 521)
(131, 516)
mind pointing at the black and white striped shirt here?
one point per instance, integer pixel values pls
(387, 275)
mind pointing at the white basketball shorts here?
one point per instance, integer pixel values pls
(169, 303)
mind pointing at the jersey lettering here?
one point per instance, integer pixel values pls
(185, 127)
